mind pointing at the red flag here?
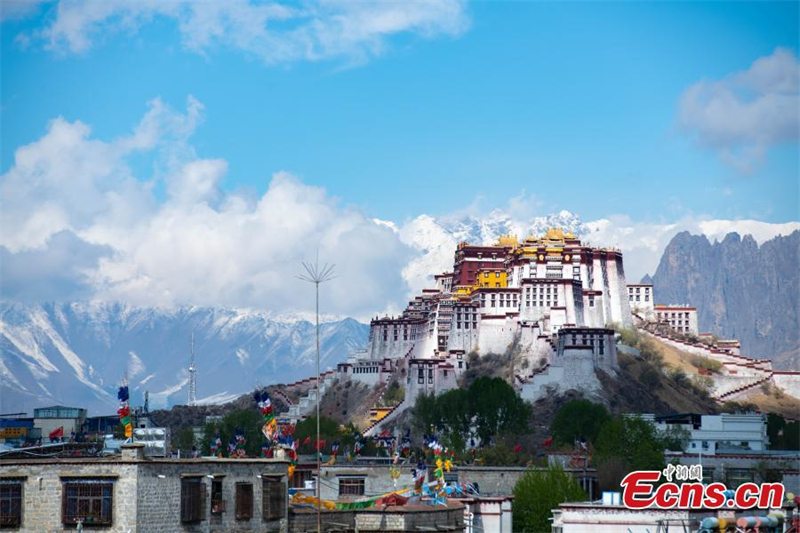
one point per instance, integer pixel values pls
(307, 440)
(548, 442)
(320, 444)
(518, 448)
(57, 433)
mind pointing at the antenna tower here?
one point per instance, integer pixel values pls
(192, 376)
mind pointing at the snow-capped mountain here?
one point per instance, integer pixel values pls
(487, 229)
(435, 240)
(77, 353)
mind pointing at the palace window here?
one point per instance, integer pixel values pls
(273, 498)
(88, 501)
(193, 494)
(244, 501)
(10, 503)
(351, 486)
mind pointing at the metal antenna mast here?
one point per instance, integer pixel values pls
(192, 376)
(316, 275)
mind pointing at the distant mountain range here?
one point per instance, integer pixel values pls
(77, 353)
(741, 290)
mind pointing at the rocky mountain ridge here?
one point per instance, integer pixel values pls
(741, 290)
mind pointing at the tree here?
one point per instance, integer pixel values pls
(329, 432)
(394, 394)
(184, 440)
(497, 408)
(538, 492)
(676, 438)
(249, 421)
(631, 441)
(578, 419)
(783, 435)
(490, 406)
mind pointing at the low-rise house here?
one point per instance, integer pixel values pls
(710, 433)
(59, 419)
(734, 468)
(604, 517)
(136, 494)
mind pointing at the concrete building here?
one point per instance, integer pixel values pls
(640, 299)
(16, 431)
(734, 468)
(132, 493)
(710, 434)
(679, 318)
(49, 419)
(593, 517)
(400, 518)
(344, 481)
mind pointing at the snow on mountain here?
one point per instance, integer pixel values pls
(436, 239)
(77, 353)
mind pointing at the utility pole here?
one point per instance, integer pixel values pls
(316, 275)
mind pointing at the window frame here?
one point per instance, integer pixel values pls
(273, 508)
(244, 501)
(71, 503)
(12, 502)
(354, 485)
(197, 508)
(217, 498)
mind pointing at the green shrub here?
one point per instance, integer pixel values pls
(537, 493)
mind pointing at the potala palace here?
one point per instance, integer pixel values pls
(549, 301)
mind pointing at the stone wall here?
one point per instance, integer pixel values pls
(404, 518)
(146, 494)
(377, 480)
(788, 382)
(159, 498)
(42, 491)
(496, 334)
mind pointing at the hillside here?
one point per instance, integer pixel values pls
(741, 290)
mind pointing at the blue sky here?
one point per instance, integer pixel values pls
(574, 103)
(197, 132)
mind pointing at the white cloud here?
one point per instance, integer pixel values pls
(67, 179)
(199, 245)
(742, 115)
(272, 31)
